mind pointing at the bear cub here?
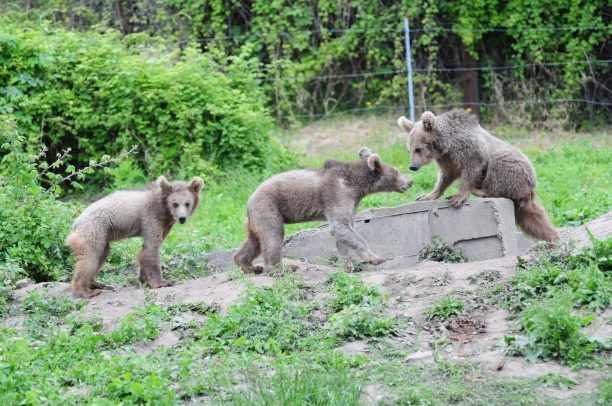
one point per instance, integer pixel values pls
(485, 165)
(149, 214)
(330, 193)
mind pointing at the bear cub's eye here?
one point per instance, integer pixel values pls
(187, 204)
(175, 205)
(417, 150)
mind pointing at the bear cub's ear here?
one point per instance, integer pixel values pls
(163, 184)
(405, 124)
(374, 163)
(196, 184)
(364, 153)
(429, 120)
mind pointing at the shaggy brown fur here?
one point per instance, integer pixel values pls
(330, 193)
(486, 165)
(149, 214)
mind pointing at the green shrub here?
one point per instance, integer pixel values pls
(303, 38)
(444, 308)
(97, 93)
(34, 222)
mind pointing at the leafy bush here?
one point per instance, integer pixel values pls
(34, 222)
(439, 250)
(363, 40)
(552, 330)
(97, 93)
(444, 308)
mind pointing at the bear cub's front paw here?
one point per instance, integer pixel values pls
(457, 200)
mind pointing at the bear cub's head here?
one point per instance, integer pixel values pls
(180, 198)
(421, 139)
(387, 177)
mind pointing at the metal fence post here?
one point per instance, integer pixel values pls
(409, 64)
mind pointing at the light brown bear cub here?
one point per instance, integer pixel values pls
(330, 193)
(149, 214)
(486, 166)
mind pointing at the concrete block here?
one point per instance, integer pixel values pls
(483, 227)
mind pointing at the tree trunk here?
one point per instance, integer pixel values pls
(469, 81)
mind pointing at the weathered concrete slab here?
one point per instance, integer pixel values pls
(483, 227)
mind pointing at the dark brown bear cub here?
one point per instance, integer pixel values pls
(486, 166)
(330, 193)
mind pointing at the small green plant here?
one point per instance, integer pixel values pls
(143, 324)
(349, 290)
(326, 380)
(444, 308)
(486, 276)
(556, 380)
(358, 309)
(358, 321)
(552, 330)
(439, 250)
(267, 320)
(45, 311)
(46, 305)
(417, 395)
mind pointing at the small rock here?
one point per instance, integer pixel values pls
(22, 283)
(420, 358)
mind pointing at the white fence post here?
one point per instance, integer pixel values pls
(409, 64)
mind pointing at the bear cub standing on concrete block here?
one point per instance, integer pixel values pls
(330, 193)
(486, 165)
(149, 214)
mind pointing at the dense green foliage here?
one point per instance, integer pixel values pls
(101, 93)
(297, 40)
(34, 222)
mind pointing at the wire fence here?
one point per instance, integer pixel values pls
(396, 30)
(392, 71)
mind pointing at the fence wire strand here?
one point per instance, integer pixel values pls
(450, 105)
